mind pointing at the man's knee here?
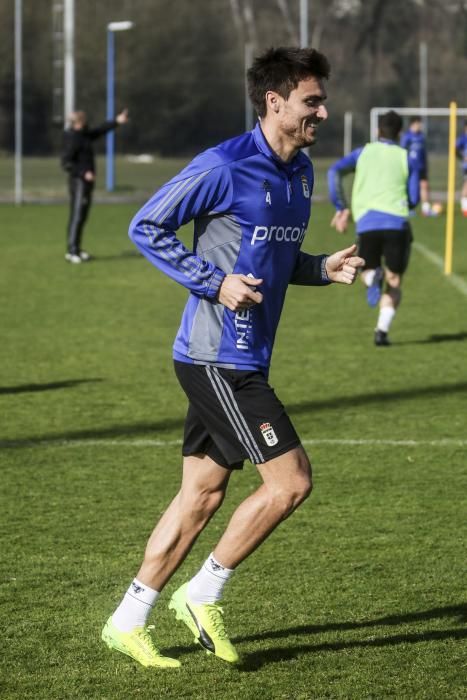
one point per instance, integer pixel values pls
(288, 493)
(202, 503)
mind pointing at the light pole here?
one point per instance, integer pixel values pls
(249, 114)
(18, 101)
(112, 27)
(303, 23)
(68, 58)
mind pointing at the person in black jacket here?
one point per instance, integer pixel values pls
(79, 162)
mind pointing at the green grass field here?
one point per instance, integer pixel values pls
(360, 594)
(43, 178)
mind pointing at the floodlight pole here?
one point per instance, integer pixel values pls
(68, 59)
(110, 138)
(423, 60)
(303, 23)
(112, 27)
(348, 118)
(18, 103)
(304, 39)
(249, 114)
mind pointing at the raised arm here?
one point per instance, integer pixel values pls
(109, 125)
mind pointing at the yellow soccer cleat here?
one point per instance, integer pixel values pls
(206, 622)
(138, 644)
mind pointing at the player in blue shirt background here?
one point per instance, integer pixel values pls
(414, 141)
(461, 152)
(249, 199)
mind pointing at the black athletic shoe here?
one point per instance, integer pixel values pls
(381, 338)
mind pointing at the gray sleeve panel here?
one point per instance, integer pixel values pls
(219, 241)
(221, 231)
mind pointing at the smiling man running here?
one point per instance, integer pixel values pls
(249, 199)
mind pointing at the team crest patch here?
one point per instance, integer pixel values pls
(305, 188)
(270, 437)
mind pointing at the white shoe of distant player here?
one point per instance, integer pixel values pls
(84, 256)
(71, 257)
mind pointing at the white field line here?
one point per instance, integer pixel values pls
(446, 442)
(456, 281)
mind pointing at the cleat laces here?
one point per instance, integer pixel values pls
(143, 634)
(215, 613)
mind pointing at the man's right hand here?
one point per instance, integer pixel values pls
(237, 292)
(89, 176)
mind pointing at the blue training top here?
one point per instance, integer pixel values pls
(373, 220)
(250, 212)
(415, 145)
(461, 150)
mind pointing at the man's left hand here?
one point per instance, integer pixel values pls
(343, 266)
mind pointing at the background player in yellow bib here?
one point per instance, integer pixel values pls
(386, 185)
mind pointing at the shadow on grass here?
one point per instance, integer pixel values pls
(49, 386)
(254, 661)
(150, 430)
(459, 611)
(383, 397)
(441, 338)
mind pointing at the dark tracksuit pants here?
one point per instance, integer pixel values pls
(80, 202)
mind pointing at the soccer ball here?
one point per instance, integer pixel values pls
(437, 208)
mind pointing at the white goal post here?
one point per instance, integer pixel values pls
(375, 112)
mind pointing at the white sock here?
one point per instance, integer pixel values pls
(135, 607)
(209, 582)
(385, 318)
(464, 203)
(426, 207)
(368, 276)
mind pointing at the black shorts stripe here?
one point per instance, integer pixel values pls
(246, 430)
(240, 414)
(233, 414)
(230, 418)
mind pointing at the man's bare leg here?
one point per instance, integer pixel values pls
(202, 490)
(464, 196)
(201, 493)
(425, 197)
(286, 483)
(388, 304)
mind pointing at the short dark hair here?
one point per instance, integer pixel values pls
(390, 125)
(281, 70)
(415, 120)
